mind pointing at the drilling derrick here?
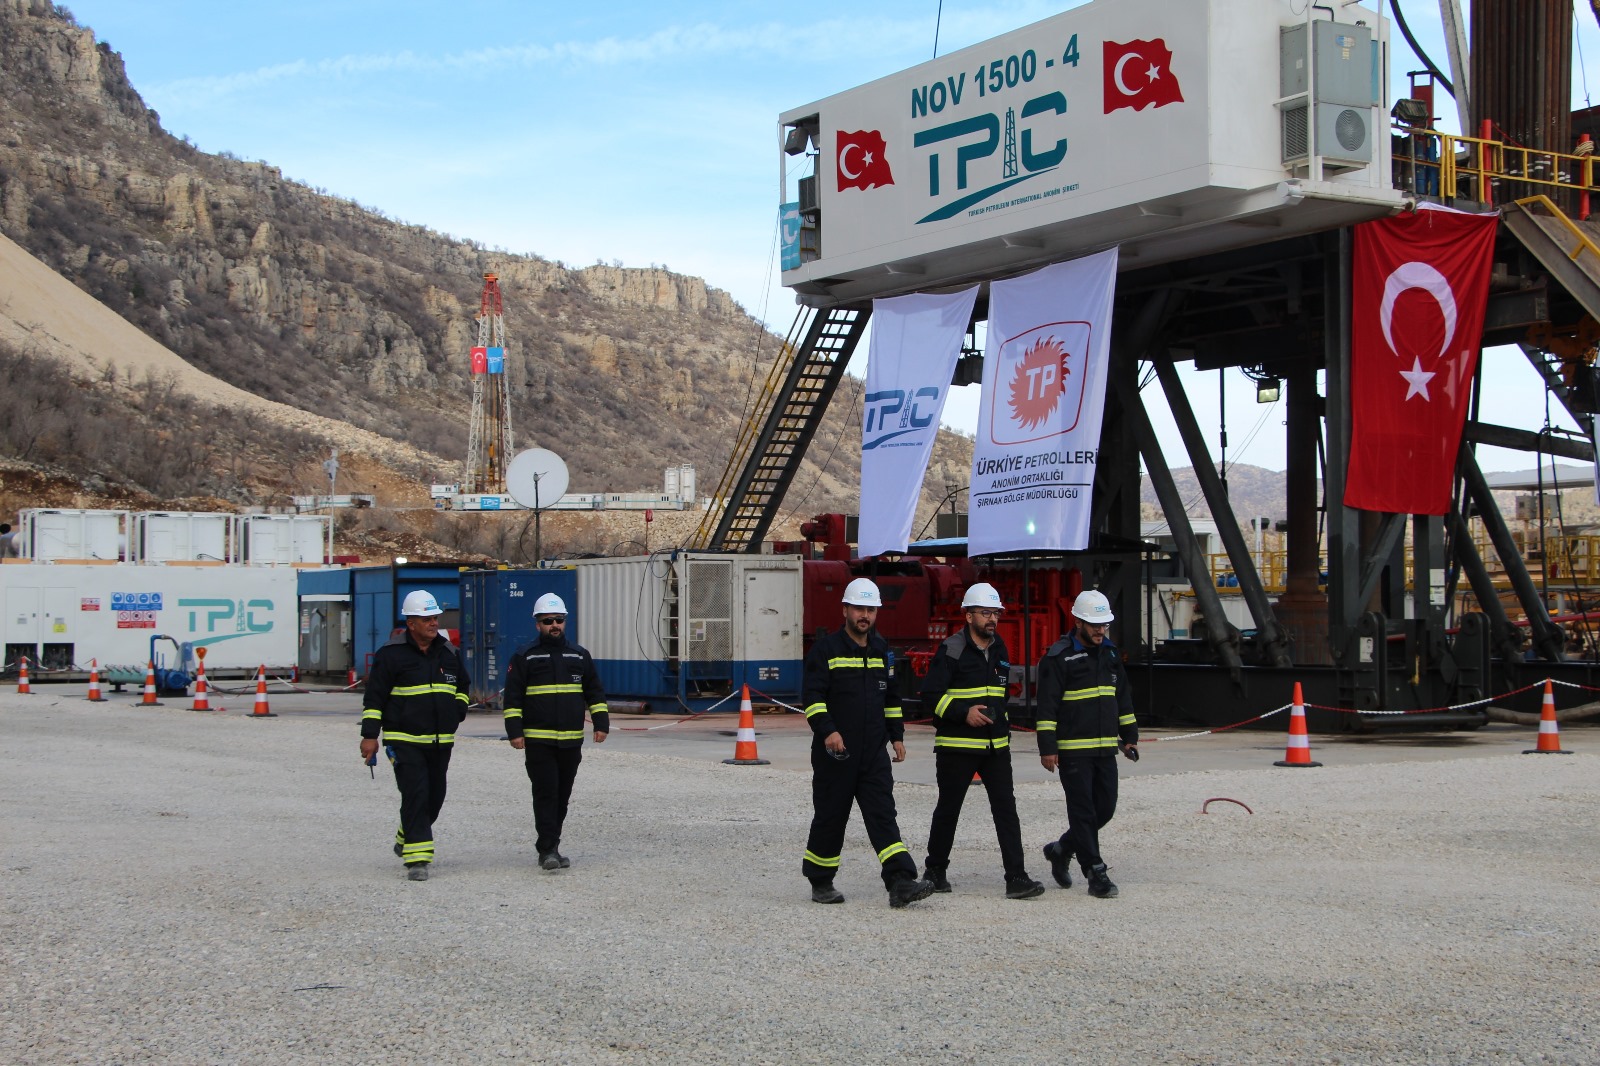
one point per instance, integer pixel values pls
(489, 446)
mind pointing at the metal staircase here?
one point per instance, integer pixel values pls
(782, 422)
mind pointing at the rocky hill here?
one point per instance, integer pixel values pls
(325, 306)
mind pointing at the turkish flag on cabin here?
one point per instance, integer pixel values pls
(1139, 75)
(1420, 290)
(480, 360)
(862, 161)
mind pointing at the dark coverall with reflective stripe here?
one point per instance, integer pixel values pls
(961, 676)
(550, 685)
(416, 699)
(1085, 712)
(850, 690)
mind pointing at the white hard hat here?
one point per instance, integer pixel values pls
(1092, 606)
(420, 604)
(550, 603)
(982, 594)
(862, 593)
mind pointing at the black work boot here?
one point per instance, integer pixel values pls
(1101, 886)
(417, 871)
(824, 892)
(1023, 887)
(935, 875)
(549, 860)
(908, 890)
(1060, 863)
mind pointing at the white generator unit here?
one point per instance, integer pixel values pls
(167, 536)
(49, 533)
(63, 615)
(281, 539)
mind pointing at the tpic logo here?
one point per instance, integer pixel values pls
(893, 413)
(1042, 369)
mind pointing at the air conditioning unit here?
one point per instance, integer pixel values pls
(1328, 94)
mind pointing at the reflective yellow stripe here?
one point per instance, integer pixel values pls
(553, 734)
(1044, 725)
(513, 712)
(462, 696)
(1086, 742)
(817, 860)
(371, 712)
(420, 738)
(958, 694)
(1090, 693)
(892, 712)
(859, 662)
(998, 691)
(971, 742)
(816, 709)
(598, 708)
(1126, 719)
(891, 851)
(551, 690)
(421, 690)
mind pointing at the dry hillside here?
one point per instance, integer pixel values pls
(352, 325)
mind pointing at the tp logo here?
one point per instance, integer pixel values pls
(1042, 371)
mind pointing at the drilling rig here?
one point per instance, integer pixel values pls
(489, 446)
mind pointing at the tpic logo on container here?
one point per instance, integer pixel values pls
(237, 617)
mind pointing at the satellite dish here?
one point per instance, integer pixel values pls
(536, 478)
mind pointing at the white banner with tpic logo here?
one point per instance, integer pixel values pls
(916, 341)
(1044, 384)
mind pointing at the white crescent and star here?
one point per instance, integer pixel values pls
(1152, 74)
(1414, 275)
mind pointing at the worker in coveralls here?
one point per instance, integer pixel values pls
(416, 696)
(966, 689)
(550, 685)
(853, 708)
(1085, 716)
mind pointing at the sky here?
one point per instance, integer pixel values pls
(618, 131)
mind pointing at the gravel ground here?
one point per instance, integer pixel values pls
(182, 888)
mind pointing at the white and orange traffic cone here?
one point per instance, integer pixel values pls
(202, 692)
(1298, 752)
(94, 682)
(149, 698)
(261, 709)
(744, 749)
(1549, 728)
(23, 688)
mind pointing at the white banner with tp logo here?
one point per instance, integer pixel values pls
(1044, 383)
(916, 341)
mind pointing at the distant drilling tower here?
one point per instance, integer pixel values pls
(489, 446)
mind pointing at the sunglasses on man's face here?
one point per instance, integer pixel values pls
(552, 621)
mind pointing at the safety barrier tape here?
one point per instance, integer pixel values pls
(680, 721)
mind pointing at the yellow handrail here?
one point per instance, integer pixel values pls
(1561, 216)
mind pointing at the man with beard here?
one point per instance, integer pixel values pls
(966, 689)
(853, 707)
(1085, 716)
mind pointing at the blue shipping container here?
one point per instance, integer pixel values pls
(497, 621)
(378, 592)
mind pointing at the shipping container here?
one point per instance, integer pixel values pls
(282, 538)
(685, 629)
(377, 593)
(497, 621)
(63, 615)
(48, 534)
(167, 536)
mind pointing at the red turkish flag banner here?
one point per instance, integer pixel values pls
(1139, 75)
(480, 360)
(862, 160)
(1420, 291)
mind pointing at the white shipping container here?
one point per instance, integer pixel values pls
(243, 616)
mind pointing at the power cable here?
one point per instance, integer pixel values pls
(1432, 67)
(938, 19)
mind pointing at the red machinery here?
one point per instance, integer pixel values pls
(922, 598)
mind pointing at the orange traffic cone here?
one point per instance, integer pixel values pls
(94, 682)
(202, 693)
(1549, 729)
(149, 699)
(744, 749)
(261, 708)
(1298, 752)
(22, 679)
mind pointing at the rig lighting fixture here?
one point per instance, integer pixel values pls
(1267, 390)
(795, 141)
